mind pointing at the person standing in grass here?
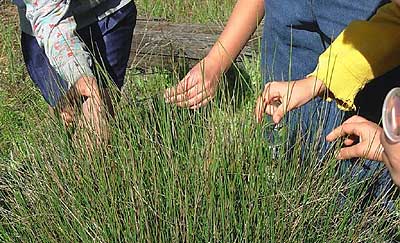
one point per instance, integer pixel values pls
(295, 34)
(364, 51)
(61, 42)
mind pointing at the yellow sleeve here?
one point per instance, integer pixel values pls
(363, 51)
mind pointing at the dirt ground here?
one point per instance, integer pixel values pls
(8, 13)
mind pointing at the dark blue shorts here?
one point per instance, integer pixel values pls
(109, 40)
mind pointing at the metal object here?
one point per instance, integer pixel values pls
(276, 143)
(276, 136)
(391, 115)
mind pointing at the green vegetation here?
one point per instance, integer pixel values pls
(169, 174)
(187, 11)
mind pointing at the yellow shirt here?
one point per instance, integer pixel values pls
(362, 52)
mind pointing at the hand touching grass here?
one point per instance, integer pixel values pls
(198, 87)
(365, 139)
(289, 95)
(201, 83)
(362, 139)
(84, 105)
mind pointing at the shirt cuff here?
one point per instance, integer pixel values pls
(340, 81)
(76, 68)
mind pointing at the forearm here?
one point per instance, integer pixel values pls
(55, 33)
(245, 18)
(362, 52)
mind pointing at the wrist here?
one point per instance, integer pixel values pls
(86, 85)
(319, 88)
(214, 66)
(219, 60)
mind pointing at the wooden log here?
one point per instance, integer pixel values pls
(165, 45)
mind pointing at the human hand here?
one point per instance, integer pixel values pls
(83, 96)
(366, 133)
(391, 157)
(86, 107)
(198, 87)
(281, 97)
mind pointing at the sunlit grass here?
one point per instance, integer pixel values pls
(188, 11)
(169, 174)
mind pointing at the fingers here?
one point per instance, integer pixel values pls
(268, 101)
(292, 94)
(87, 87)
(275, 108)
(196, 101)
(203, 103)
(271, 110)
(278, 100)
(386, 144)
(194, 91)
(271, 94)
(354, 119)
(192, 96)
(351, 152)
(180, 92)
(259, 110)
(362, 150)
(279, 113)
(358, 128)
(67, 117)
(350, 141)
(184, 97)
(344, 130)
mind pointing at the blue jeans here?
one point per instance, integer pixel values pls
(295, 34)
(108, 40)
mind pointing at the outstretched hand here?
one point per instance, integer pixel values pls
(197, 88)
(362, 139)
(280, 97)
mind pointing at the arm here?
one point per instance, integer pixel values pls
(245, 18)
(363, 51)
(200, 84)
(55, 32)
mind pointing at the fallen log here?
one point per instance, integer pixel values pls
(161, 44)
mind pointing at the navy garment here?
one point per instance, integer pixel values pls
(295, 34)
(108, 40)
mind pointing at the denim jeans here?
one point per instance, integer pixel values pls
(295, 34)
(108, 40)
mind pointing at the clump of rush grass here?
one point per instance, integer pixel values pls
(174, 175)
